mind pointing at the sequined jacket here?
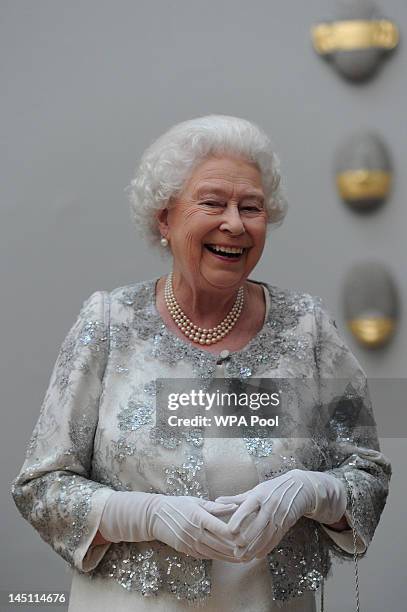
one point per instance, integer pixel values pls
(96, 433)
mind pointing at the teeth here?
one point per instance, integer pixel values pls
(227, 249)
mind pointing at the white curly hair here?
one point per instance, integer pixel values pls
(167, 164)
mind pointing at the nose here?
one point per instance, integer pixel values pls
(232, 221)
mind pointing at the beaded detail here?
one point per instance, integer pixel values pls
(149, 567)
(194, 332)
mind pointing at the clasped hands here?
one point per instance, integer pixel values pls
(260, 516)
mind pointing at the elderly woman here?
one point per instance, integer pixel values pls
(151, 519)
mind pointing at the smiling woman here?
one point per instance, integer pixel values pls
(216, 240)
(151, 519)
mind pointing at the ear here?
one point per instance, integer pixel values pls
(162, 218)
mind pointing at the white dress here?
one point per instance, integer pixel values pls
(239, 587)
(97, 432)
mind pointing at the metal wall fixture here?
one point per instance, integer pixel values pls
(357, 41)
(371, 303)
(363, 171)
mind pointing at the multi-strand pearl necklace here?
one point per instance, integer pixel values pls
(195, 333)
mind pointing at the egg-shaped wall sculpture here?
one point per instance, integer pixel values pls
(371, 304)
(357, 40)
(363, 170)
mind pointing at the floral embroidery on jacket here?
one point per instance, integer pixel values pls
(97, 433)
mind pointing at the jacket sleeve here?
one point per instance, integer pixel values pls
(52, 490)
(353, 450)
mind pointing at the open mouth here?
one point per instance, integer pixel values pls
(228, 252)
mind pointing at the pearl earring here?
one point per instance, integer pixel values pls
(164, 242)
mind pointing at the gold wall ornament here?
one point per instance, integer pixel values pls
(356, 40)
(353, 35)
(364, 185)
(363, 170)
(371, 304)
(372, 332)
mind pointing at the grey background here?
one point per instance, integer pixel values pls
(86, 86)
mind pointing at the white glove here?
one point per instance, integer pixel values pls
(278, 504)
(185, 523)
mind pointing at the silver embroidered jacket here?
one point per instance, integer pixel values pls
(96, 433)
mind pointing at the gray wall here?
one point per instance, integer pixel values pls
(86, 85)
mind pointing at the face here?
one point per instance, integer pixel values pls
(221, 208)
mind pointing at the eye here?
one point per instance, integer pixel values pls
(251, 205)
(251, 208)
(212, 203)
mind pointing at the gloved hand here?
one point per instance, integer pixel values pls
(186, 523)
(278, 504)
